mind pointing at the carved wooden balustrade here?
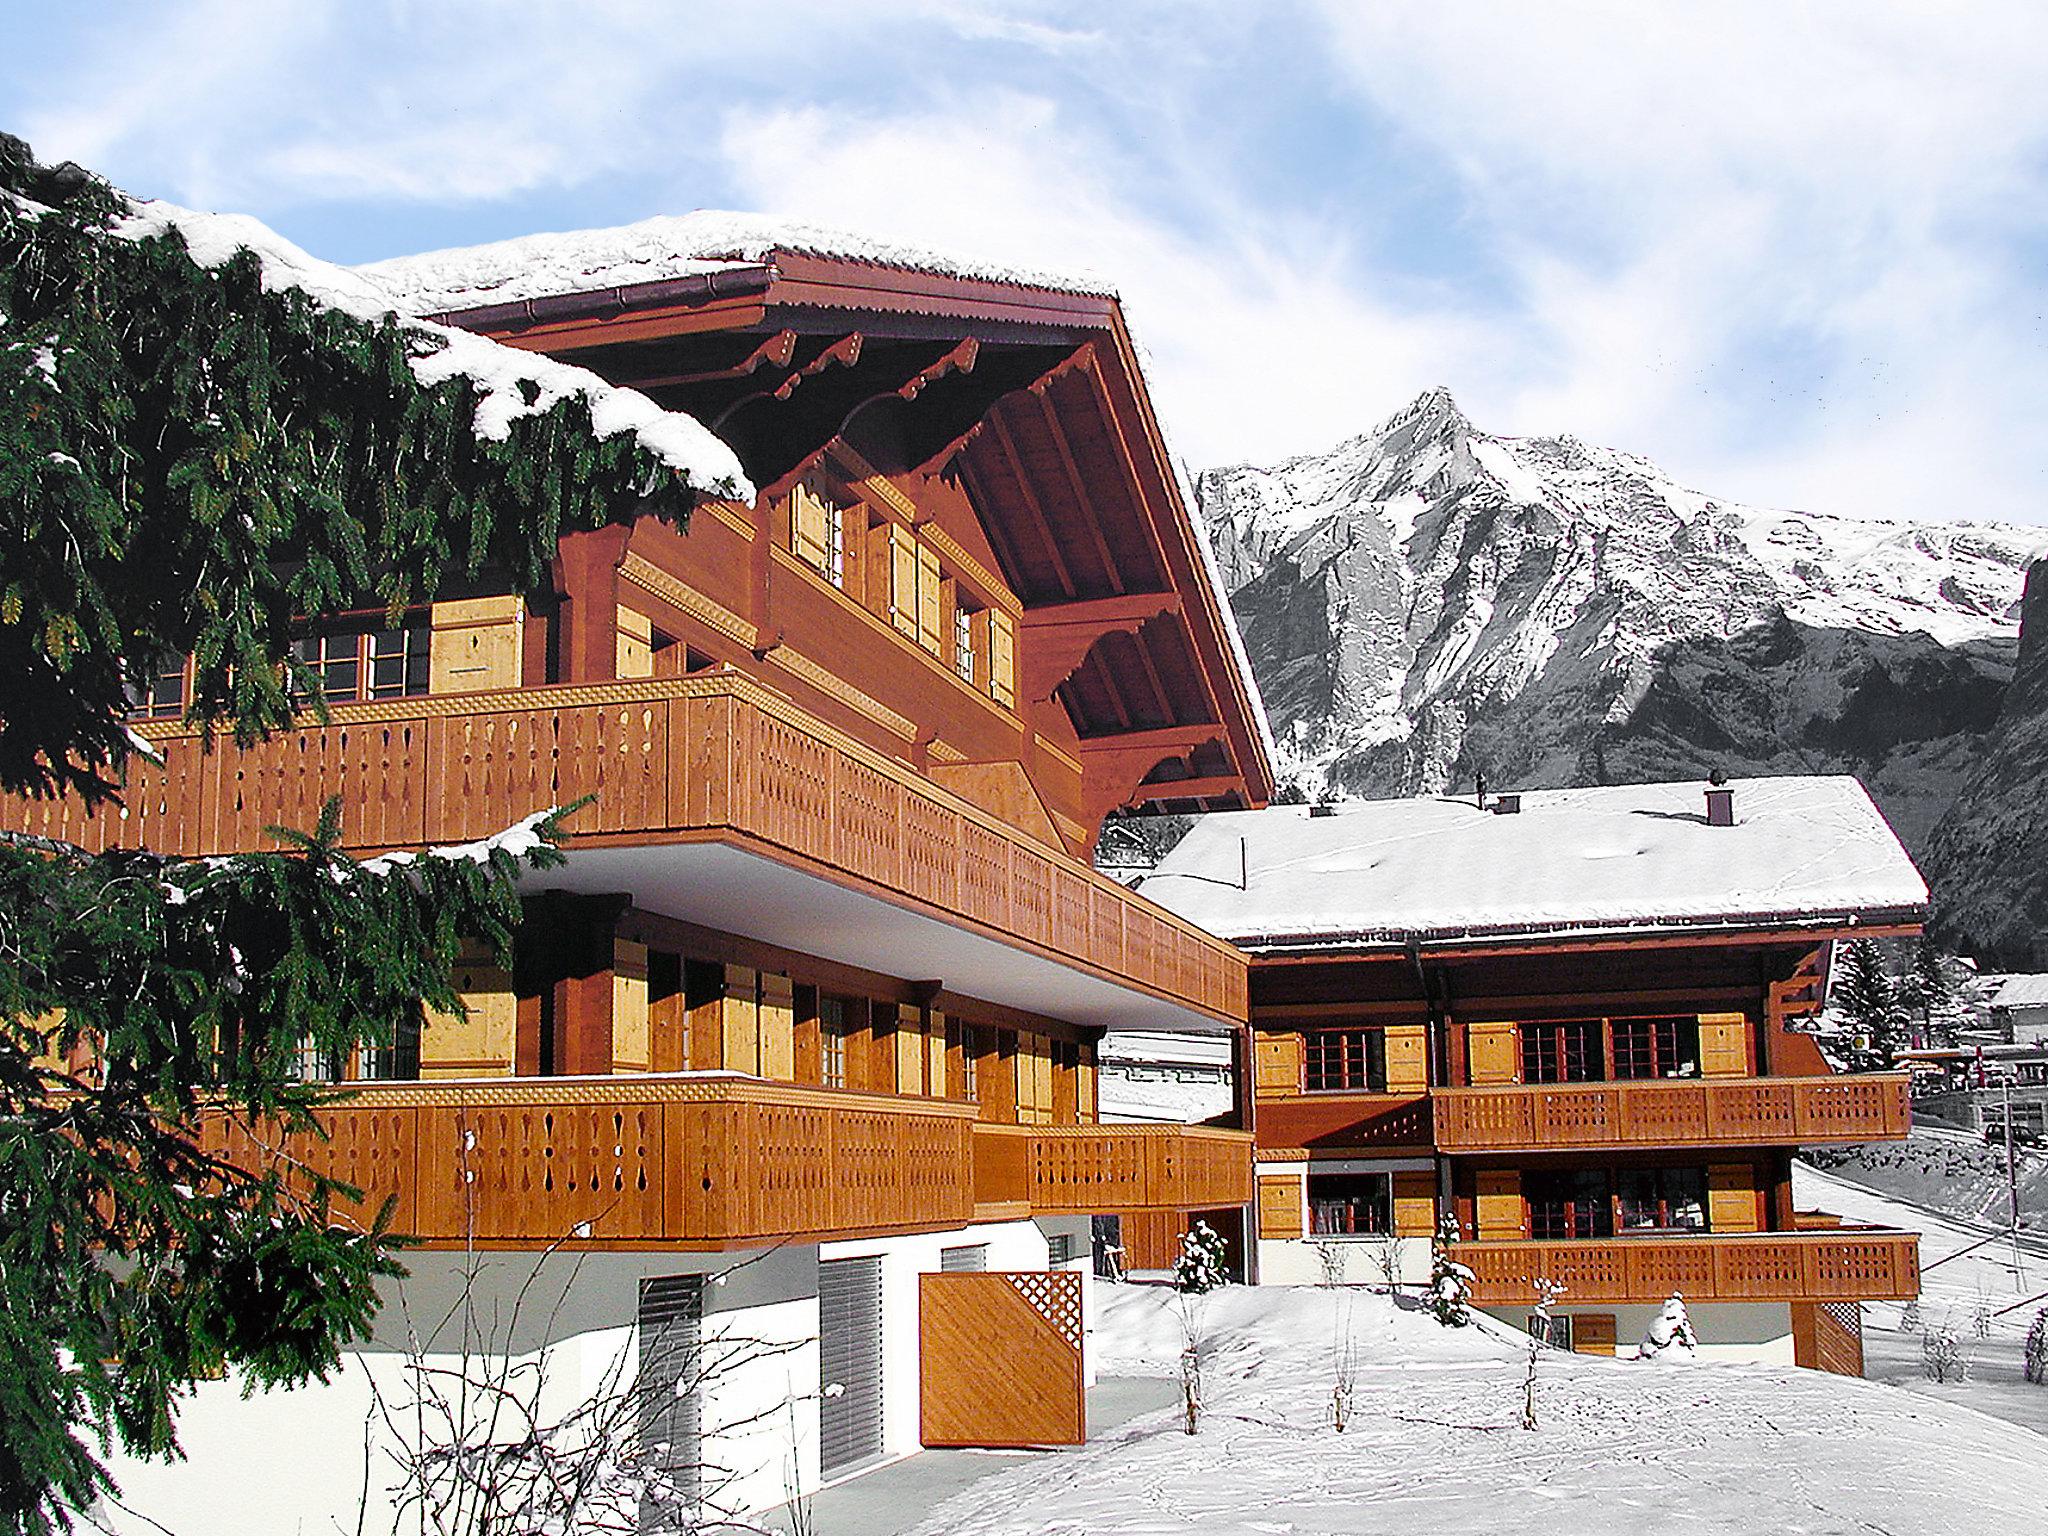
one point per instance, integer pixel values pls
(1689, 1112)
(1843, 1264)
(1095, 1169)
(694, 1161)
(674, 758)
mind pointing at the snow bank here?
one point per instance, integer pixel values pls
(1434, 1443)
(1619, 856)
(511, 383)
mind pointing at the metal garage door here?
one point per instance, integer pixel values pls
(671, 1407)
(849, 1362)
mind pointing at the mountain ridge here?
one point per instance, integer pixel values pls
(1427, 601)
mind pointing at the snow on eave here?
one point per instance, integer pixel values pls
(502, 375)
(1593, 930)
(669, 246)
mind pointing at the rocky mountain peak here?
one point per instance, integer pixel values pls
(1428, 600)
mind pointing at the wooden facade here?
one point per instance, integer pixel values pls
(1616, 1114)
(966, 616)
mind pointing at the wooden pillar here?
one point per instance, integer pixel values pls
(668, 1018)
(565, 977)
(589, 569)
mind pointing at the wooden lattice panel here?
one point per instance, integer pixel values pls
(1055, 1295)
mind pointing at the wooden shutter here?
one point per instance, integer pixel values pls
(669, 1384)
(1731, 1198)
(807, 528)
(935, 1082)
(930, 632)
(632, 1046)
(1407, 1059)
(1277, 1063)
(909, 1048)
(1500, 1210)
(778, 1027)
(634, 649)
(474, 645)
(740, 1020)
(1280, 1207)
(1085, 1085)
(1492, 1053)
(485, 1040)
(1002, 658)
(903, 580)
(1724, 1045)
(1414, 1203)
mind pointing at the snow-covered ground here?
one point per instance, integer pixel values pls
(1435, 1443)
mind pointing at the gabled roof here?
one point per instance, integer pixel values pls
(1621, 859)
(2021, 990)
(1023, 386)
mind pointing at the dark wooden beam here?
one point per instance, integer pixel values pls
(775, 351)
(1208, 787)
(1015, 463)
(1078, 487)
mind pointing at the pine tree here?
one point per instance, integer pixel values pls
(1450, 1282)
(189, 458)
(1930, 991)
(1863, 992)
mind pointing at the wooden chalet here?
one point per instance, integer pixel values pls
(826, 969)
(1568, 1023)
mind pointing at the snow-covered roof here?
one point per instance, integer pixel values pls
(2023, 990)
(664, 248)
(1636, 857)
(511, 383)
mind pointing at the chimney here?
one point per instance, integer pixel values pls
(1506, 805)
(1720, 807)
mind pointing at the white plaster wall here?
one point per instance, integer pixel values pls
(1294, 1261)
(1757, 1332)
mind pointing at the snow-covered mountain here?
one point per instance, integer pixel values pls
(1428, 601)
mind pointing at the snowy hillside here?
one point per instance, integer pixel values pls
(1429, 601)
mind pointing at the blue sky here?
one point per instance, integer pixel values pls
(1795, 253)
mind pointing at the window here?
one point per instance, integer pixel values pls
(1346, 1061)
(1350, 1204)
(1563, 1052)
(670, 1405)
(1059, 1249)
(969, 1257)
(1645, 1048)
(963, 643)
(397, 1062)
(964, 1040)
(832, 1041)
(1555, 1331)
(817, 533)
(1573, 1204)
(367, 664)
(160, 696)
(1662, 1199)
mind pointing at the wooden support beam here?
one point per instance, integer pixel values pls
(1077, 485)
(1207, 788)
(775, 351)
(1015, 463)
(1168, 741)
(1058, 636)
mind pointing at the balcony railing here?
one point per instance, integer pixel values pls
(704, 1162)
(1692, 1112)
(665, 757)
(1844, 1264)
(1095, 1169)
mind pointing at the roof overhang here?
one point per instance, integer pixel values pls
(1799, 928)
(718, 885)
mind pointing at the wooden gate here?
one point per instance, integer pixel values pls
(999, 1359)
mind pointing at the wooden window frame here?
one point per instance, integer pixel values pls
(1656, 1054)
(414, 656)
(1665, 1201)
(1361, 1060)
(1564, 1051)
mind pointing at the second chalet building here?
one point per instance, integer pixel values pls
(1563, 1026)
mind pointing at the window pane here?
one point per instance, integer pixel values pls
(1348, 1204)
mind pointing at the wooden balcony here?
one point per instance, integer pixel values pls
(1691, 1112)
(1843, 1264)
(1084, 1170)
(675, 760)
(622, 1162)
